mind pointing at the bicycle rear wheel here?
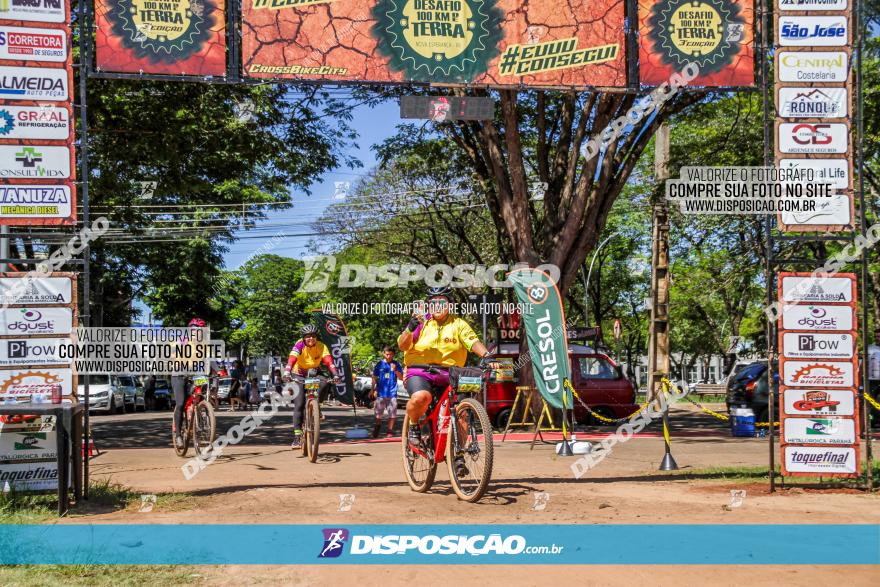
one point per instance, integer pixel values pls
(419, 469)
(204, 428)
(313, 429)
(181, 450)
(469, 458)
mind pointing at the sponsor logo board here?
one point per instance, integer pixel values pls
(21, 384)
(20, 446)
(817, 318)
(818, 373)
(817, 289)
(805, 5)
(34, 122)
(818, 402)
(34, 10)
(813, 66)
(833, 171)
(814, 459)
(835, 211)
(35, 201)
(32, 292)
(813, 31)
(824, 430)
(32, 44)
(19, 321)
(34, 162)
(813, 102)
(31, 351)
(814, 345)
(812, 138)
(34, 83)
(29, 476)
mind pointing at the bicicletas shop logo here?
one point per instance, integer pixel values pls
(163, 30)
(438, 40)
(706, 32)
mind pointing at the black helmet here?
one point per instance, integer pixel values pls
(309, 329)
(434, 292)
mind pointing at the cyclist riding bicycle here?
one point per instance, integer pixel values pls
(441, 340)
(306, 355)
(182, 389)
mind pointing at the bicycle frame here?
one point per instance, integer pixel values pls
(199, 393)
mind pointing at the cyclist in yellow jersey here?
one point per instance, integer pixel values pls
(306, 356)
(437, 339)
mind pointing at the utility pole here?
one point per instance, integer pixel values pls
(658, 339)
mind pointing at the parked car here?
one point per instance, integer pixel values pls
(598, 382)
(133, 391)
(105, 393)
(748, 389)
(223, 389)
(163, 394)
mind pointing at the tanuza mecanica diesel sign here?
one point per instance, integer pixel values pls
(817, 345)
(35, 201)
(34, 122)
(32, 44)
(813, 66)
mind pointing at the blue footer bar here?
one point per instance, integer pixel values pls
(441, 544)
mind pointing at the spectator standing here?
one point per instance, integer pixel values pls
(386, 374)
(150, 394)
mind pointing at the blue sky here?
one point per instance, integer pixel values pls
(372, 125)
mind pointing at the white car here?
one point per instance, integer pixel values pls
(104, 394)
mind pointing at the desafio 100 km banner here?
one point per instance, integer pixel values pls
(540, 43)
(716, 35)
(165, 37)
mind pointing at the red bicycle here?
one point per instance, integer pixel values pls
(199, 423)
(467, 450)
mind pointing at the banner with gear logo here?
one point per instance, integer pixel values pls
(500, 43)
(716, 35)
(165, 37)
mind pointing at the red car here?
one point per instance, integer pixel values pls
(596, 378)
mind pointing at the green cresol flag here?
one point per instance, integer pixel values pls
(544, 321)
(331, 331)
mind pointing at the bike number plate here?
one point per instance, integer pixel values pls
(469, 384)
(312, 384)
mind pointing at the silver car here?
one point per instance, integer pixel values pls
(105, 394)
(133, 391)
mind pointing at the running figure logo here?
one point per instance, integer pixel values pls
(334, 541)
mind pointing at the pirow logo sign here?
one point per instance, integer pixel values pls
(36, 133)
(814, 104)
(819, 374)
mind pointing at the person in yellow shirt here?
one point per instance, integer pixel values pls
(306, 356)
(437, 339)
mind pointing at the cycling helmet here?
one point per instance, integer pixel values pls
(309, 329)
(444, 291)
(197, 323)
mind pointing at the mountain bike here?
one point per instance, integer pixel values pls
(454, 430)
(199, 423)
(311, 416)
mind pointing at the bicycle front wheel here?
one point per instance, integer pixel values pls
(313, 430)
(469, 456)
(204, 428)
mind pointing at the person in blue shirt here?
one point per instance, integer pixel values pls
(386, 374)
